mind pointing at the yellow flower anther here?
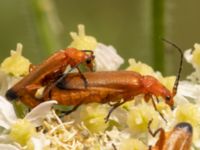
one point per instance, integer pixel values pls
(22, 131)
(82, 41)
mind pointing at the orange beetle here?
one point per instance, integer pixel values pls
(180, 138)
(48, 72)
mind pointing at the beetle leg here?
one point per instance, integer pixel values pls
(83, 77)
(59, 81)
(70, 111)
(151, 132)
(112, 109)
(154, 105)
(157, 100)
(114, 147)
(89, 61)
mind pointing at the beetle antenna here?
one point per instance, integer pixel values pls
(180, 68)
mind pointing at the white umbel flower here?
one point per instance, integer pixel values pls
(13, 125)
(106, 58)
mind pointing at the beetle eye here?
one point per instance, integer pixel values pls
(88, 61)
(168, 98)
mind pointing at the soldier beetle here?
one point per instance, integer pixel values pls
(102, 87)
(180, 138)
(108, 87)
(49, 71)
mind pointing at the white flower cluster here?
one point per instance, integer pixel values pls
(18, 133)
(106, 57)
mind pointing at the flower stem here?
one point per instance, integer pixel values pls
(47, 24)
(157, 34)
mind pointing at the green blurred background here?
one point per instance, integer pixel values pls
(133, 27)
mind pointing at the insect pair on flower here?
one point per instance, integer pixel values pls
(82, 88)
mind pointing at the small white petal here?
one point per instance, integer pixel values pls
(197, 144)
(8, 147)
(188, 55)
(37, 114)
(39, 143)
(5, 138)
(180, 99)
(7, 113)
(106, 58)
(189, 90)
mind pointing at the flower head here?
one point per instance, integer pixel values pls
(81, 40)
(193, 57)
(93, 116)
(139, 117)
(16, 64)
(188, 112)
(21, 131)
(192, 115)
